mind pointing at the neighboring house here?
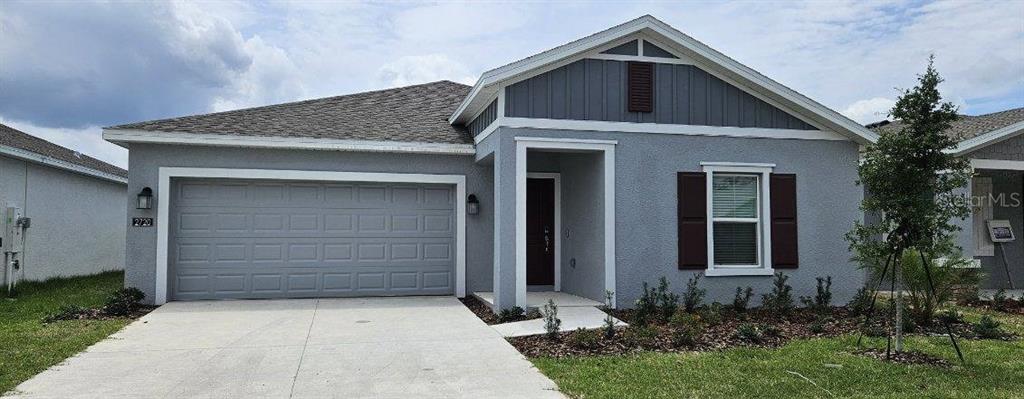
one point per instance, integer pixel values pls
(995, 146)
(75, 203)
(619, 158)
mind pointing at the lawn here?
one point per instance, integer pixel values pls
(993, 369)
(27, 346)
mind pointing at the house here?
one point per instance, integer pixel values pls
(628, 155)
(73, 205)
(995, 147)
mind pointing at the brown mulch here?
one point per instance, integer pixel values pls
(484, 312)
(1011, 306)
(905, 357)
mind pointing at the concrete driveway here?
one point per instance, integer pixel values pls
(350, 348)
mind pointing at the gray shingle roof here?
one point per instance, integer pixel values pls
(15, 138)
(408, 114)
(968, 126)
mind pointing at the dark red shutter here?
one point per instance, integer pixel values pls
(640, 86)
(693, 220)
(784, 238)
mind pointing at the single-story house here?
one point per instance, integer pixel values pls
(628, 155)
(994, 144)
(73, 207)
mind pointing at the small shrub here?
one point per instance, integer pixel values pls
(822, 301)
(988, 328)
(585, 339)
(66, 312)
(771, 331)
(817, 327)
(951, 316)
(511, 314)
(609, 320)
(124, 301)
(682, 320)
(693, 296)
(646, 306)
(668, 301)
(860, 303)
(712, 314)
(780, 299)
(640, 336)
(552, 324)
(686, 336)
(748, 332)
(742, 299)
(1000, 301)
(909, 325)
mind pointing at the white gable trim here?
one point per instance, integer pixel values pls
(34, 157)
(995, 136)
(826, 119)
(118, 136)
(662, 128)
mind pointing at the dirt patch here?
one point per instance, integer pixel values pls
(905, 357)
(482, 310)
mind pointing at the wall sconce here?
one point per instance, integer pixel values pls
(472, 205)
(145, 199)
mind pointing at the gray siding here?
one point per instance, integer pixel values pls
(78, 225)
(684, 94)
(1010, 184)
(1011, 150)
(146, 159)
(484, 119)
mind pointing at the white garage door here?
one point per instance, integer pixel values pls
(274, 239)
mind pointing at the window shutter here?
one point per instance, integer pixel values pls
(784, 237)
(693, 222)
(641, 86)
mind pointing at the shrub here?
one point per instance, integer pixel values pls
(742, 299)
(66, 312)
(988, 328)
(860, 302)
(951, 316)
(771, 330)
(712, 314)
(817, 327)
(640, 336)
(124, 301)
(686, 336)
(693, 296)
(780, 299)
(1000, 301)
(511, 314)
(822, 301)
(609, 320)
(748, 332)
(668, 301)
(909, 325)
(646, 306)
(684, 320)
(585, 339)
(946, 276)
(552, 323)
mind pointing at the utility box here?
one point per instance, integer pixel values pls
(13, 239)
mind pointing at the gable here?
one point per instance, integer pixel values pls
(596, 89)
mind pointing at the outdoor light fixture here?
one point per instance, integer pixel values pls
(472, 205)
(145, 199)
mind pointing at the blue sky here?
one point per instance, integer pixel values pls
(69, 68)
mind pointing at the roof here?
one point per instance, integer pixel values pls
(416, 114)
(706, 56)
(26, 145)
(973, 131)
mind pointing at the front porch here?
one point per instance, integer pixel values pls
(996, 193)
(537, 300)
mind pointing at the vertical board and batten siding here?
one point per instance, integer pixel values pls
(592, 89)
(484, 119)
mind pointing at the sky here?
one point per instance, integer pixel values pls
(69, 68)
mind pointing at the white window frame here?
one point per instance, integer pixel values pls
(764, 232)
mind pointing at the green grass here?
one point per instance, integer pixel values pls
(994, 369)
(27, 346)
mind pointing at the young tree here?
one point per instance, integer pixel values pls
(912, 180)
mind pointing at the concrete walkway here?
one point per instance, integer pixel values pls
(586, 317)
(424, 347)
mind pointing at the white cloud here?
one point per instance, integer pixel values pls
(870, 110)
(417, 69)
(88, 141)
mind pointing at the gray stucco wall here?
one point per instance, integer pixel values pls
(646, 167)
(145, 161)
(78, 225)
(684, 94)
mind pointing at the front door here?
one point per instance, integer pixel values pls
(540, 232)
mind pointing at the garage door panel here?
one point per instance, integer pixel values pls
(259, 239)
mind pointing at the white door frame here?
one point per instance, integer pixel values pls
(607, 148)
(164, 195)
(557, 177)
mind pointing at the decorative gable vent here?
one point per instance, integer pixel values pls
(641, 87)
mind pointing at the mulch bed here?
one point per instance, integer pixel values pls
(1011, 306)
(97, 314)
(484, 312)
(905, 357)
(774, 331)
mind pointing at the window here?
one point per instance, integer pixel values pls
(738, 214)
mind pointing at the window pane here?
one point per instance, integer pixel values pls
(735, 243)
(734, 196)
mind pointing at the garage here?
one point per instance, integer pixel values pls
(251, 238)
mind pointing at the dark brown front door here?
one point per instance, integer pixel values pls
(540, 232)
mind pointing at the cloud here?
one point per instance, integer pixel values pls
(411, 70)
(870, 110)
